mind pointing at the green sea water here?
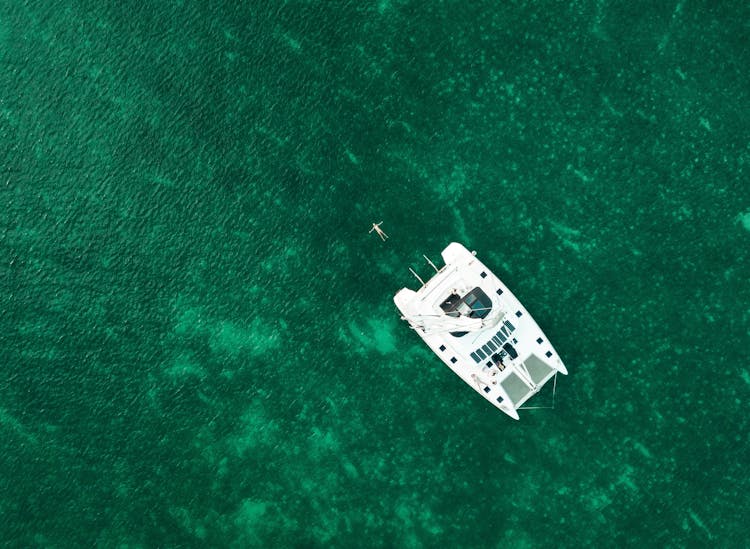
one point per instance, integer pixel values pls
(199, 346)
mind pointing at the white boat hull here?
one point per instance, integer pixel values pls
(483, 356)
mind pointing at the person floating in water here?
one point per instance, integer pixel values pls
(379, 231)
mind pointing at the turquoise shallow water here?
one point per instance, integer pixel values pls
(199, 343)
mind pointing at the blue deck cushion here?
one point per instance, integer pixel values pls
(510, 350)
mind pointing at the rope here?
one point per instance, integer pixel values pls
(554, 390)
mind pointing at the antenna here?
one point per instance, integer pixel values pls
(431, 263)
(415, 274)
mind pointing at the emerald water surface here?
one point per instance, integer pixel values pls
(199, 343)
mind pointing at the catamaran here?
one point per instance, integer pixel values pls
(475, 324)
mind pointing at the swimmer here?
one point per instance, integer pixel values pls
(379, 231)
